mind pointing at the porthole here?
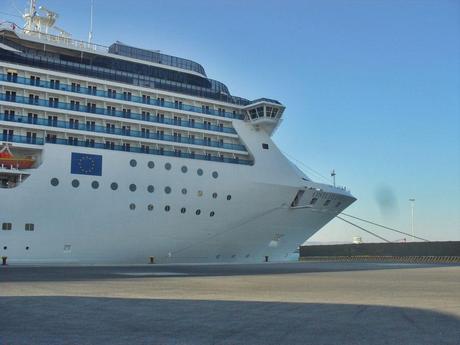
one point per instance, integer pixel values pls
(151, 165)
(75, 183)
(167, 189)
(233, 256)
(150, 207)
(214, 195)
(212, 214)
(198, 212)
(132, 206)
(200, 172)
(215, 174)
(182, 210)
(150, 189)
(132, 187)
(54, 181)
(229, 197)
(168, 166)
(248, 255)
(5, 248)
(133, 162)
(167, 208)
(95, 184)
(184, 169)
(184, 191)
(27, 248)
(200, 193)
(218, 256)
(114, 186)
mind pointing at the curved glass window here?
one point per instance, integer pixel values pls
(200, 172)
(75, 183)
(132, 187)
(168, 166)
(114, 186)
(54, 181)
(133, 162)
(132, 206)
(150, 189)
(95, 184)
(184, 169)
(215, 174)
(151, 164)
(167, 189)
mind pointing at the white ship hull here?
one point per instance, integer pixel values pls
(83, 225)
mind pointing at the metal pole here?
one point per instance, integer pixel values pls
(412, 201)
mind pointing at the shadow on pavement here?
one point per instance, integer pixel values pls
(81, 320)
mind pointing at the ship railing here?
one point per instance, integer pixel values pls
(115, 147)
(123, 97)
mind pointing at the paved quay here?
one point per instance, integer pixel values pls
(289, 303)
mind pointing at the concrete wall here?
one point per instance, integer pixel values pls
(450, 248)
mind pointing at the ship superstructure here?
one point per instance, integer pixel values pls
(115, 154)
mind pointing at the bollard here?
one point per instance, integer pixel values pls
(266, 258)
(152, 260)
(4, 258)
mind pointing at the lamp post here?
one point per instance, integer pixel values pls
(412, 204)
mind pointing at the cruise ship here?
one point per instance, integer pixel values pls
(118, 154)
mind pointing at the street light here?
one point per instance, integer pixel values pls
(412, 204)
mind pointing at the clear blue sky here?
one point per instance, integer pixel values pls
(372, 88)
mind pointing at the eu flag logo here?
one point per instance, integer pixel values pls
(85, 164)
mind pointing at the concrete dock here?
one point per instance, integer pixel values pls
(290, 303)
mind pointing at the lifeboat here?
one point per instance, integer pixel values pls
(8, 160)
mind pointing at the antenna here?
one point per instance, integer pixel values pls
(333, 176)
(90, 35)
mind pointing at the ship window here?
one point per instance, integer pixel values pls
(212, 214)
(95, 184)
(184, 169)
(167, 189)
(214, 195)
(313, 201)
(29, 227)
(27, 248)
(132, 187)
(215, 174)
(168, 166)
(114, 186)
(182, 210)
(132, 206)
(200, 172)
(150, 189)
(7, 226)
(184, 191)
(151, 165)
(198, 212)
(133, 162)
(5, 248)
(167, 208)
(338, 204)
(265, 146)
(327, 202)
(54, 181)
(75, 183)
(150, 207)
(229, 197)
(200, 193)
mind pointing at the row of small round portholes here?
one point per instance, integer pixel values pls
(167, 208)
(168, 166)
(132, 187)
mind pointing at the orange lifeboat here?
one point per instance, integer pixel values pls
(8, 160)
